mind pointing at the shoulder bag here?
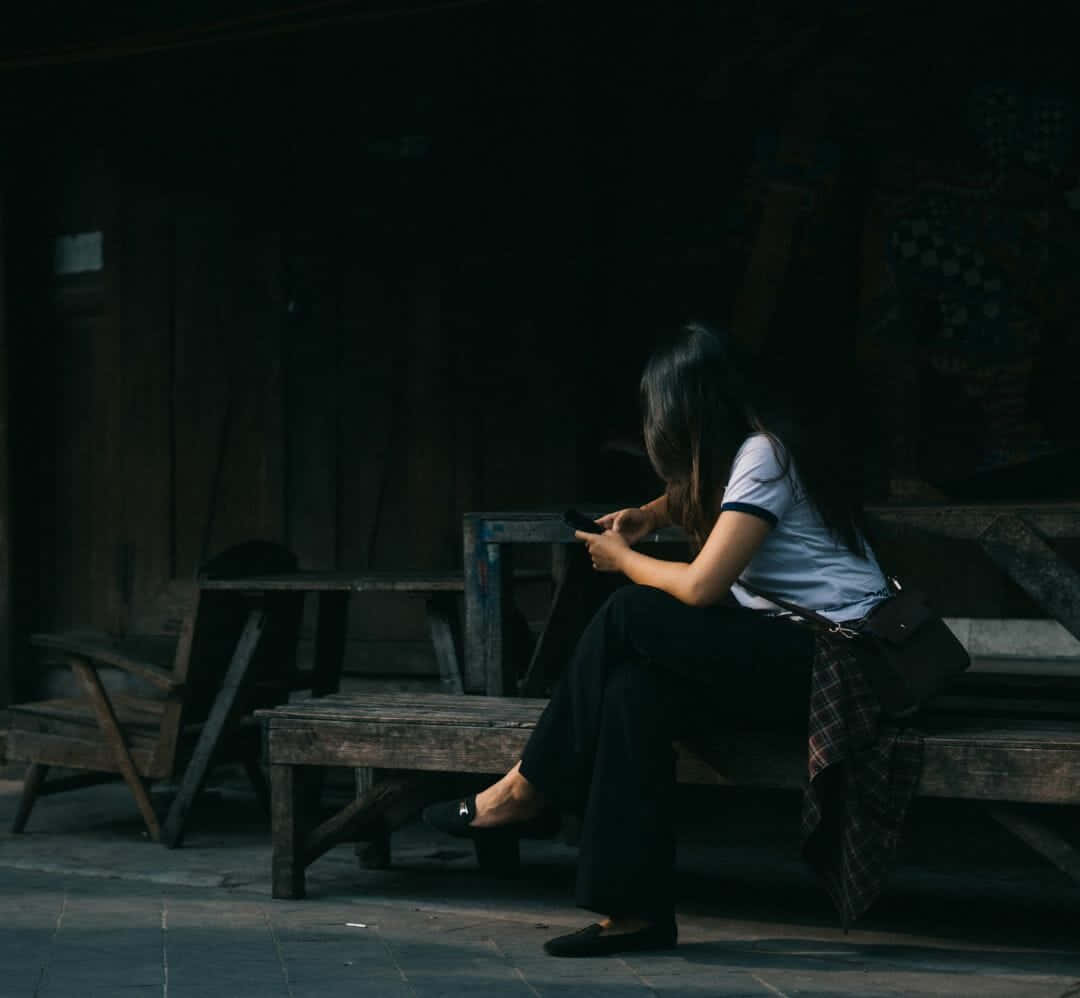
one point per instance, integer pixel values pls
(912, 652)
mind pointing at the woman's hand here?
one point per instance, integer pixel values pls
(606, 550)
(630, 524)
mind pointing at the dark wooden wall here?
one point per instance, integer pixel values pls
(361, 279)
(5, 504)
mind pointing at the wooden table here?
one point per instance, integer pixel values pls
(488, 560)
(332, 589)
(1016, 537)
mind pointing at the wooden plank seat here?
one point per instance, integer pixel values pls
(985, 758)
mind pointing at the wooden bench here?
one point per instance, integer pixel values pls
(977, 748)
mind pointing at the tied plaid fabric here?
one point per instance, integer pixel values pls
(863, 773)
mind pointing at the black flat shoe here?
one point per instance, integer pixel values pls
(594, 941)
(455, 816)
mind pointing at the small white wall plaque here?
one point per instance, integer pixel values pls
(80, 253)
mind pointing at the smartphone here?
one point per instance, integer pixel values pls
(579, 521)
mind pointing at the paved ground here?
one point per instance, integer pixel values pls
(88, 907)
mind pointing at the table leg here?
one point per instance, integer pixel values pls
(326, 673)
(476, 598)
(213, 728)
(287, 832)
(500, 678)
(488, 573)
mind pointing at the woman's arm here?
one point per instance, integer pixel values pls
(705, 580)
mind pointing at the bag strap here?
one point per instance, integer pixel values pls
(823, 622)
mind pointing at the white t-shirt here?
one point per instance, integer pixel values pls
(800, 560)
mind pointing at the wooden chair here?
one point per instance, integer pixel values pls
(189, 704)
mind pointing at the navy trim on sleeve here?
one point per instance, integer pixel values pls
(747, 507)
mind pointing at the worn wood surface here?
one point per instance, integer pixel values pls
(286, 827)
(1016, 546)
(73, 752)
(966, 757)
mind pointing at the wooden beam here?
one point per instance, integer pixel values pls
(215, 727)
(1036, 567)
(401, 794)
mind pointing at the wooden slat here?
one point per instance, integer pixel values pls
(349, 582)
(1040, 571)
(429, 708)
(114, 738)
(358, 582)
(136, 711)
(121, 654)
(74, 753)
(369, 807)
(966, 757)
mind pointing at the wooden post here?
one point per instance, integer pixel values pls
(6, 679)
(214, 729)
(475, 607)
(286, 831)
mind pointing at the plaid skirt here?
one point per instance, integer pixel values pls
(863, 771)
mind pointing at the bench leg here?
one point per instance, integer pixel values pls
(286, 831)
(35, 777)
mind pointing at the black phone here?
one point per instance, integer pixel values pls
(579, 521)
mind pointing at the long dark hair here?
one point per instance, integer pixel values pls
(700, 399)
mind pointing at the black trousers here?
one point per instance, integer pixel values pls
(649, 669)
